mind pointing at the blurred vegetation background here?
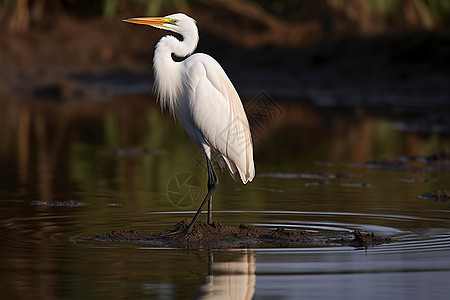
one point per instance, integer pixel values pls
(394, 46)
(365, 16)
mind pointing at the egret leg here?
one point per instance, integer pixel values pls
(213, 183)
(209, 220)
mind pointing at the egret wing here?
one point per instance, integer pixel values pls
(218, 113)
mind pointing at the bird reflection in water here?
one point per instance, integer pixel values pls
(229, 280)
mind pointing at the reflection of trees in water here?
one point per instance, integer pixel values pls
(41, 135)
(41, 141)
(353, 135)
(36, 139)
(229, 280)
(50, 147)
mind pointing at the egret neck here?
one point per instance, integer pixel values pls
(169, 73)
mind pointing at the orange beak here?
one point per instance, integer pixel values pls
(147, 21)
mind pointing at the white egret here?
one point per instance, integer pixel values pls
(199, 93)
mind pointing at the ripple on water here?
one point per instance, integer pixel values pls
(53, 229)
(404, 239)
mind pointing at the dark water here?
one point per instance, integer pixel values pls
(70, 171)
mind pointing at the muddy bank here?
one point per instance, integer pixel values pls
(218, 235)
(438, 195)
(438, 162)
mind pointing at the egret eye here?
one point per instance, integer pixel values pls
(173, 21)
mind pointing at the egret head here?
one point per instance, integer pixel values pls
(179, 23)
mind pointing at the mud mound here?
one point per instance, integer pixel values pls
(218, 235)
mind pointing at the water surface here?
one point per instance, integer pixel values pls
(70, 171)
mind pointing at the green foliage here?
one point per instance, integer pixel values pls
(109, 8)
(385, 8)
(152, 7)
(431, 13)
(439, 10)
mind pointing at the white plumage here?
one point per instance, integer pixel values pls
(200, 94)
